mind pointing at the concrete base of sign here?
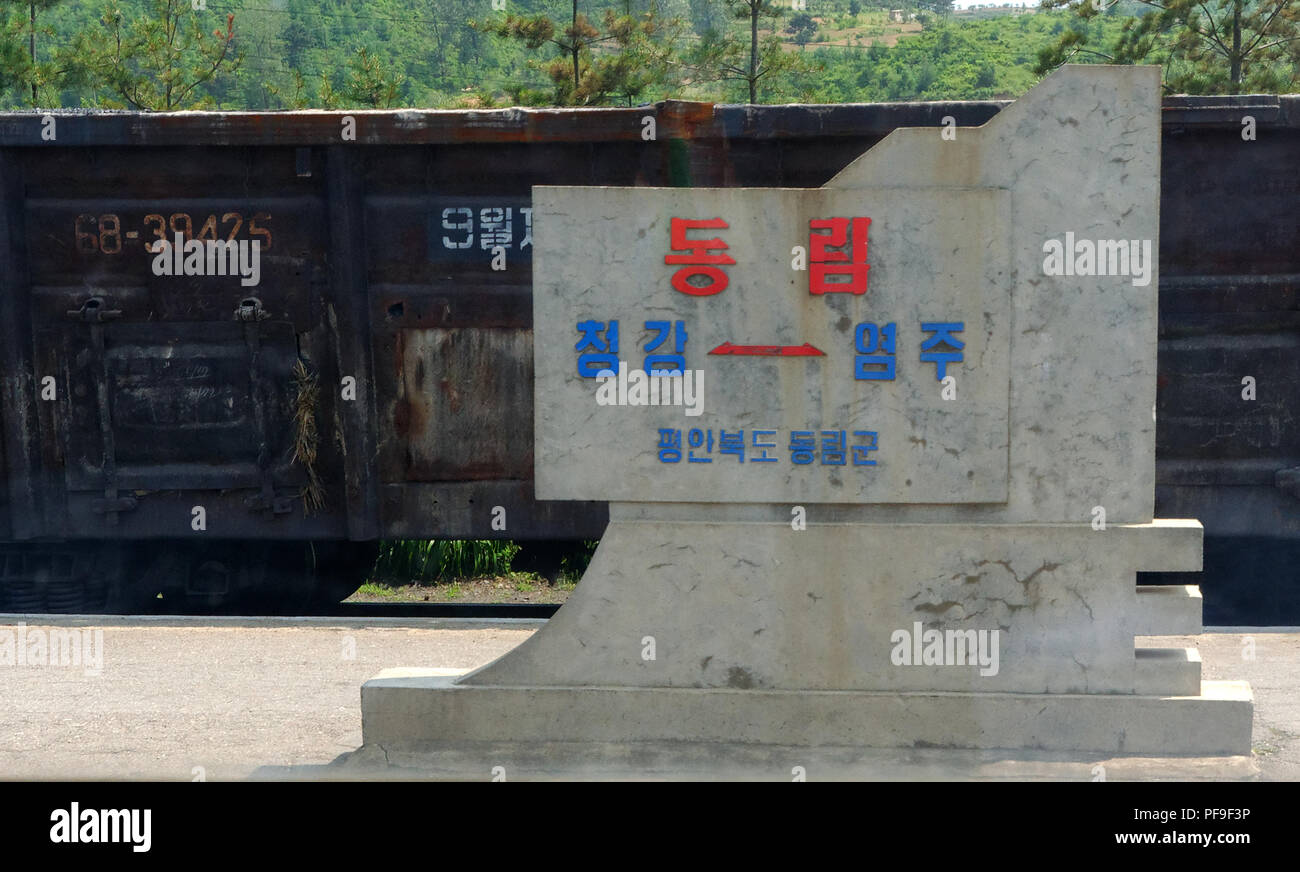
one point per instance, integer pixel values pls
(973, 636)
(1018, 608)
(705, 761)
(408, 711)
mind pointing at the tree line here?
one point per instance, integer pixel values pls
(158, 55)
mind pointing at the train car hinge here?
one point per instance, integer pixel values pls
(251, 313)
(94, 314)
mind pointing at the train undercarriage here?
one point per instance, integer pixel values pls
(177, 577)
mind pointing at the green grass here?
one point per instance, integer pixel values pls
(573, 566)
(443, 562)
(372, 589)
(421, 560)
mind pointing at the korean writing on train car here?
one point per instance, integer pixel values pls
(484, 228)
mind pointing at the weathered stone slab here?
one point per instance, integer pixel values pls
(1168, 610)
(978, 607)
(935, 256)
(403, 711)
(1167, 672)
(1078, 155)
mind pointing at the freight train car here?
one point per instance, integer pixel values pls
(238, 349)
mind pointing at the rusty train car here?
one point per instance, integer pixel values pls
(229, 437)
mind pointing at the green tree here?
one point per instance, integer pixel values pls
(365, 84)
(622, 58)
(753, 61)
(760, 63)
(1206, 46)
(265, 79)
(707, 15)
(161, 60)
(20, 66)
(802, 27)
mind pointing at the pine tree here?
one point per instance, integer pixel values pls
(620, 59)
(1206, 46)
(161, 60)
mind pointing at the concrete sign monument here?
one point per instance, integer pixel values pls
(880, 458)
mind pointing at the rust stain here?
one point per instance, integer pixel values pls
(453, 396)
(684, 120)
(417, 407)
(401, 408)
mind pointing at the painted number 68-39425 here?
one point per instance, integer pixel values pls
(104, 233)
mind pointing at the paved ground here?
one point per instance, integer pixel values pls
(228, 697)
(234, 696)
(1270, 660)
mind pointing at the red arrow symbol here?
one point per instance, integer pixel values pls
(804, 350)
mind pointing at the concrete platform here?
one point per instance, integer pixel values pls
(179, 699)
(654, 761)
(407, 709)
(1239, 653)
(275, 699)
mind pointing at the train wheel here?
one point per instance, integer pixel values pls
(62, 578)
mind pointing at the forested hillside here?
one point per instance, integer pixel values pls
(278, 54)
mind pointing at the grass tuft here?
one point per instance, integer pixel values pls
(306, 438)
(372, 589)
(418, 560)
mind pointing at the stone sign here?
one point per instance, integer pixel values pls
(822, 383)
(903, 478)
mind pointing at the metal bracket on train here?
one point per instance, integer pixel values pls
(1288, 481)
(250, 309)
(111, 507)
(93, 312)
(260, 502)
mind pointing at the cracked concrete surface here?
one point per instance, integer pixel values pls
(829, 598)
